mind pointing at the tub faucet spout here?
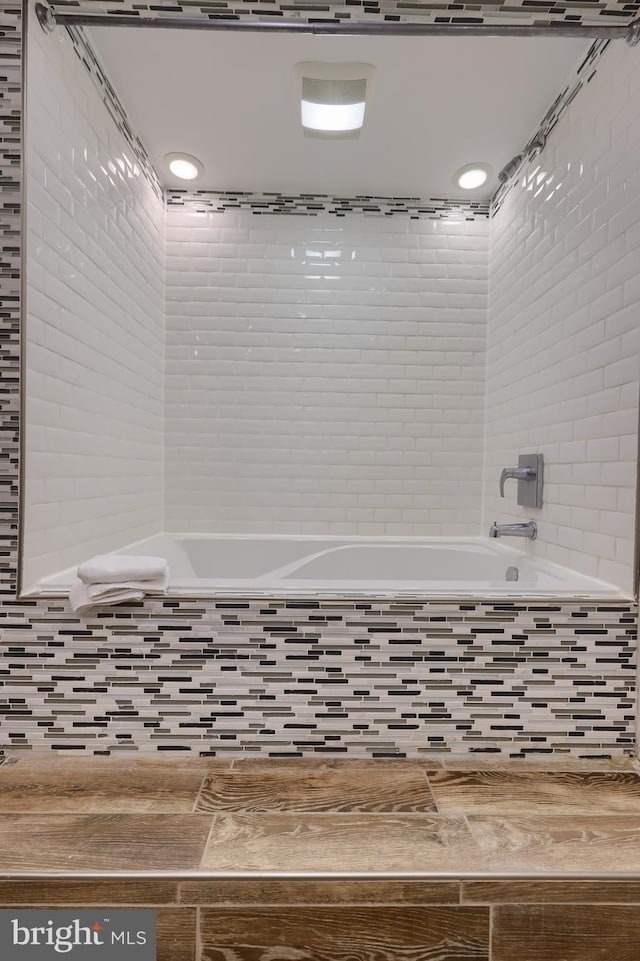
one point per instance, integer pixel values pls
(529, 529)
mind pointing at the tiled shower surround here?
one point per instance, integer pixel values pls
(324, 375)
(282, 677)
(564, 335)
(95, 298)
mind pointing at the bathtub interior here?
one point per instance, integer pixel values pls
(217, 565)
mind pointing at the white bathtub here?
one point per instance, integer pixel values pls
(223, 565)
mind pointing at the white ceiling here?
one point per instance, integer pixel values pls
(435, 104)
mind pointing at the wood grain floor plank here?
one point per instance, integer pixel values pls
(239, 891)
(177, 934)
(550, 892)
(544, 763)
(328, 763)
(100, 787)
(123, 759)
(142, 893)
(566, 933)
(309, 790)
(340, 842)
(564, 843)
(353, 934)
(514, 792)
(102, 842)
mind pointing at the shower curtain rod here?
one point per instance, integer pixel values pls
(49, 19)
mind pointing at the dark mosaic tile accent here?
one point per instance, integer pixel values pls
(393, 11)
(110, 99)
(296, 678)
(284, 677)
(583, 75)
(10, 289)
(263, 203)
(314, 204)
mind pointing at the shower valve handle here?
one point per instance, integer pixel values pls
(519, 473)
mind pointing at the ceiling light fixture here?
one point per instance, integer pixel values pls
(337, 117)
(333, 98)
(472, 176)
(184, 166)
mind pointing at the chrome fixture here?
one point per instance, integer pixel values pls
(509, 169)
(46, 17)
(49, 18)
(533, 148)
(519, 473)
(528, 529)
(528, 473)
(536, 146)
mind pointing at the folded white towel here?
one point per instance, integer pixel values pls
(98, 591)
(81, 602)
(121, 568)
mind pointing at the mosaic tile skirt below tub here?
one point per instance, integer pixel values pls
(298, 678)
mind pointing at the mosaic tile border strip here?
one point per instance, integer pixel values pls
(207, 676)
(110, 99)
(314, 204)
(10, 286)
(584, 74)
(371, 11)
(308, 677)
(263, 203)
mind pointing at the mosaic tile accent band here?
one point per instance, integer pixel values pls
(394, 11)
(313, 204)
(112, 102)
(310, 205)
(584, 74)
(362, 678)
(284, 677)
(10, 290)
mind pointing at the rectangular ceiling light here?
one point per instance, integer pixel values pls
(333, 98)
(332, 116)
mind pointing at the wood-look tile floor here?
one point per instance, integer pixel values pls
(124, 815)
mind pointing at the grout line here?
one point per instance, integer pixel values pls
(208, 838)
(198, 937)
(483, 876)
(491, 931)
(194, 809)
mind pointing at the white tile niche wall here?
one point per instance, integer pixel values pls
(564, 331)
(324, 374)
(95, 318)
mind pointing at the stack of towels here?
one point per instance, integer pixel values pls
(114, 578)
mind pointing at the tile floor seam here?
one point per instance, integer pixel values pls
(214, 818)
(198, 934)
(491, 931)
(194, 807)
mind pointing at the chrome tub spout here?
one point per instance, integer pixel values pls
(529, 529)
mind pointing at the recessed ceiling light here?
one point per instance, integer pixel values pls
(472, 176)
(184, 166)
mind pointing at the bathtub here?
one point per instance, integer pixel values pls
(224, 565)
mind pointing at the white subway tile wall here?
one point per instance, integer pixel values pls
(95, 346)
(327, 374)
(324, 374)
(564, 331)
